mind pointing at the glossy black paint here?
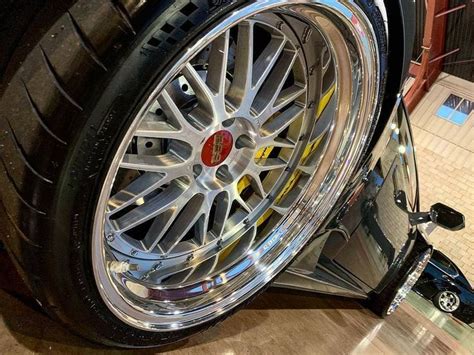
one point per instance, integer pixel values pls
(401, 33)
(439, 214)
(446, 217)
(408, 15)
(368, 236)
(442, 274)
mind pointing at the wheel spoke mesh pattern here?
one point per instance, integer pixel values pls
(166, 202)
(233, 162)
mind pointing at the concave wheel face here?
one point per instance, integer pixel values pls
(448, 301)
(234, 161)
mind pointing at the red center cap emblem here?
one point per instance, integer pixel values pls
(217, 148)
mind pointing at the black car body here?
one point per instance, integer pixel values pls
(368, 226)
(442, 274)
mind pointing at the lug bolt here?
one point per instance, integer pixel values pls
(244, 141)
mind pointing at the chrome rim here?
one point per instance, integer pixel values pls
(413, 276)
(448, 301)
(234, 161)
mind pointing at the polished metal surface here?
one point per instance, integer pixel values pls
(234, 161)
(369, 234)
(448, 301)
(275, 323)
(413, 276)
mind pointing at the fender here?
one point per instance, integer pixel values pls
(406, 12)
(367, 238)
(400, 17)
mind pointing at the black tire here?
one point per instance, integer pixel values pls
(62, 112)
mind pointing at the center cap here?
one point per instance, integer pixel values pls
(217, 148)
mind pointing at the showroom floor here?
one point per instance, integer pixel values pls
(285, 322)
(278, 322)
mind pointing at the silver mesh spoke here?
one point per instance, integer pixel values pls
(168, 164)
(204, 95)
(138, 189)
(266, 61)
(237, 155)
(268, 164)
(219, 140)
(217, 67)
(267, 96)
(146, 211)
(242, 83)
(273, 127)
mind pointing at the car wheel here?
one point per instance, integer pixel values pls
(162, 163)
(391, 297)
(447, 301)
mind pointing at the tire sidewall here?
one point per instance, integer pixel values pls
(83, 176)
(79, 303)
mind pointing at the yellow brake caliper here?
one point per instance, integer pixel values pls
(265, 152)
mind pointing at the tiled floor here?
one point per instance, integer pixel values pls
(445, 155)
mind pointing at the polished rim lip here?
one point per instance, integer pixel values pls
(368, 46)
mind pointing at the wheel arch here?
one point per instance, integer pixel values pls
(445, 286)
(400, 19)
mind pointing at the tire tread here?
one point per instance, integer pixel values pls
(85, 43)
(51, 56)
(56, 79)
